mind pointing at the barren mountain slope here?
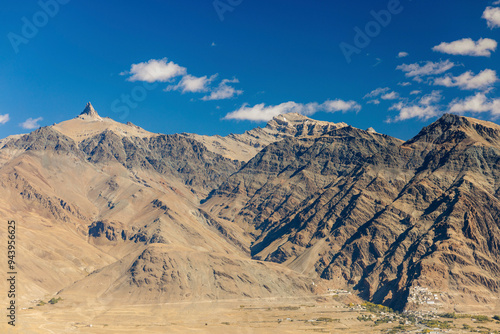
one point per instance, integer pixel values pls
(373, 213)
(89, 124)
(120, 206)
(111, 212)
(245, 146)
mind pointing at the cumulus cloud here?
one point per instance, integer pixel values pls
(192, 84)
(478, 103)
(431, 98)
(469, 81)
(428, 68)
(404, 84)
(223, 91)
(155, 70)
(415, 92)
(340, 105)
(261, 112)
(161, 70)
(467, 47)
(4, 118)
(376, 92)
(31, 123)
(403, 54)
(390, 96)
(376, 102)
(492, 16)
(423, 108)
(414, 111)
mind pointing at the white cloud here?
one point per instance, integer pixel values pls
(376, 92)
(492, 16)
(415, 92)
(340, 105)
(162, 70)
(469, 81)
(414, 111)
(403, 54)
(467, 47)
(477, 104)
(155, 70)
(390, 96)
(4, 118)
(431, 98)
(31, 123)
(261, 112)
(404, 84)
(223, 91)
(376, 102)
(418, 70)
(423, 108)
(192, 84)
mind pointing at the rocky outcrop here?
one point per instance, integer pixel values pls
(112, 231)
(172, 155)
(90, 111)
(44, 140)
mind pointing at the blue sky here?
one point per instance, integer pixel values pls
(226, 66)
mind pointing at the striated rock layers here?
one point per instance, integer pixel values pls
(111, 212)
(379, 215)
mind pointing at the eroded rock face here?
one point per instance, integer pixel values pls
(112, 231)
(371, 212)
(173, 155)
(403, 223)
(244, 147)
(44, 139)
(187, 275)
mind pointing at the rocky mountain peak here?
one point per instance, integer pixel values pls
(295, 124)
(89, 111)
(89, 124)
(454, 128)
(291, 117)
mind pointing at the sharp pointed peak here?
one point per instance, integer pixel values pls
(90, 111)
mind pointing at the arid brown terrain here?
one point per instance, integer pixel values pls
(135, 227)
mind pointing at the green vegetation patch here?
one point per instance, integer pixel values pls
(55, 300)
(437, 324)
(376, 308)
(52, 301)
(477, 317)
(323, 319)
(288, 308)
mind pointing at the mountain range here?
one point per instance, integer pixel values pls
(109, 212)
